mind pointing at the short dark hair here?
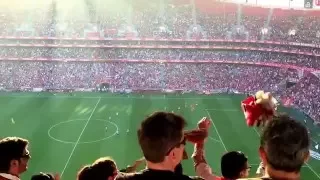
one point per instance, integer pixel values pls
(11, 148)
(42, 176)
(286, 143)
(232, 163)
(159, 133)
(101, 169)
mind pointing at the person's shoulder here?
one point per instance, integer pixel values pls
(147, 175)
(185, 177)
(128, 176)
(258, 178)
(3, 178)
(133, 175)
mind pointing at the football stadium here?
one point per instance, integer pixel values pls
(78, 77)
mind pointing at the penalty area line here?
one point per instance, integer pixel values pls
(224, 146)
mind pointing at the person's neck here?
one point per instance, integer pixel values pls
(276, 174)
(159, 166)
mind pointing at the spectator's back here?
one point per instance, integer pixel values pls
(284, 148)
(162, 142)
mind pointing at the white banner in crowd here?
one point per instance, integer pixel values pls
(315, 155)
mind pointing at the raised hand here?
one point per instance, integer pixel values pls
(204, 123)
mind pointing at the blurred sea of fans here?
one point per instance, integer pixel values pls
(211, 20)
(197, 21)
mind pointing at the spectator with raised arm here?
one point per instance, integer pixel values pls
(234, 164)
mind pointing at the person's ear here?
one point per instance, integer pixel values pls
(242, 173)
(307, 156)
(14, 163)
(14, 166)
(56, 176)
(173, 153)
(170, 154)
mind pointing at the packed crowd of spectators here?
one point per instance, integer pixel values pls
(305, 92)
(174, 20)
(203, 77)
(161, 54)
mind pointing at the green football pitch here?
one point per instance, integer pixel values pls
(68, 131)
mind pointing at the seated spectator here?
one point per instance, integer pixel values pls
(284, 148)
(102, 169)
(45, 176)
(162, 142)
(14, 157)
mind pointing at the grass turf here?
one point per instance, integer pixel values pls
(68, 131)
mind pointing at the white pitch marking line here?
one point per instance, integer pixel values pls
(217, 131)
(312, 170)
(256, 131)
(78, 140)
(213, 139)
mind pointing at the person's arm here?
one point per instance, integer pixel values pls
(202, 168)
(260, 170)
(198, 154)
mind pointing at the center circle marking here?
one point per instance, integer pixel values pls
(84, 142)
